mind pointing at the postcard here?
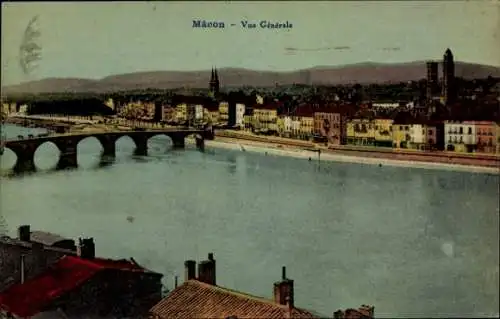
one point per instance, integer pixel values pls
(250, 159)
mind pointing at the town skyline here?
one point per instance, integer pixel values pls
(68, 29)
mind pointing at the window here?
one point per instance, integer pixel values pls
(455, 139)
(400, 128)
(406, 128)
(461, 130)
(449, 139)
(423, 132)
(431, 141)
(470, 130)
(429, 132)
(390, 128)
(461, 139)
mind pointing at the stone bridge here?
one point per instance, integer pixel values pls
(67, 144)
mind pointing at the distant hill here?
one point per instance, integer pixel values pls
(363, 73)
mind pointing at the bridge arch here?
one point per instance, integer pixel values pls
(8, 159)
(125, 144)
(89, 151)
(159, 143)
(46, 155)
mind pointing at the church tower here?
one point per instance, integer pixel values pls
(449, 89)
(214, 84)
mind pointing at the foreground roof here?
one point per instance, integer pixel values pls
(46, 238)
(195, 299)
(33, 296)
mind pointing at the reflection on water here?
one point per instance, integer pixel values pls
(413, 242)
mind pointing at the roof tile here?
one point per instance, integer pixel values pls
(195, 299)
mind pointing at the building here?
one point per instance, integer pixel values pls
(181, 115)
(223, 113)
(449, 83)
(36, 250)
(236, 112)
(265, 117)
(200, 297)
(305, 115)
(460, 136)
(85, 285)
(211, 113)
(432, 80)
(214, 84)
(486, 136)
(383, 132)
(361, 131)
(497, 136)
(401, 137)
(326, 125)
(364, 312)
(240, 114)
(169, 114)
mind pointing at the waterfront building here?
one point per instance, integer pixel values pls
(423, 135)
(168, 114)
(265, 117)
(401, 130)
(460, 136)
(486, 136)
(383, 132)
(211, 113)
(248, 122)
(181, 113)
(280, 124)
(294, 126)
(223, 112)
(305, 116)
(236, 112)
(326, 125)
(361, 131)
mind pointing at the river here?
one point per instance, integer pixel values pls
(412, 242)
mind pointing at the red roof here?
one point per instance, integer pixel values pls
(31, 297)
(195, 299)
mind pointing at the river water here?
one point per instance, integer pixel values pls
(412, 242)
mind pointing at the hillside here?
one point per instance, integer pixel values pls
(363, 73)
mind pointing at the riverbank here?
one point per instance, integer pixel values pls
(490, 161)
(327, 155)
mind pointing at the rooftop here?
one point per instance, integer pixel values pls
(195, 299)
(67, 274)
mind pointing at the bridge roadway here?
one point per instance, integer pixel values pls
(67, 144)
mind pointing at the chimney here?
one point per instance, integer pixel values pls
(86, 248)
(283, 290)
(22, 271)
(24, 233)
(206, 270)
(288, 312)
(190, 270)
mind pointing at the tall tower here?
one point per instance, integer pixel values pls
(214, 82)
(432, 80)
(449, 89)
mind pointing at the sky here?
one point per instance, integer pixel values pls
(94, 40)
